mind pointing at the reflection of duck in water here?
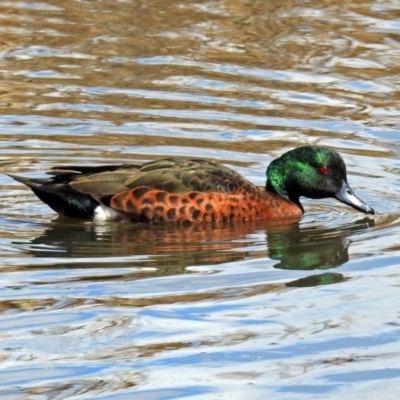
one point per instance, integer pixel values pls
(172, 249)
(196, 190)
(317, 248)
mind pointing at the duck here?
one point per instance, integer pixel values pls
(195, 190)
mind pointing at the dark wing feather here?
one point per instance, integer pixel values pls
(176, 176)
(103, 183)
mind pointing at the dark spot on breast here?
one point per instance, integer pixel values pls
(250, 207)
(231, 216)
(159, 209)
(232, 208)
(182, 210)
(200, 202)
(185, 200)
(193, 195)
(209, 207)
(160, 196)
(173, 200)
(148, 200)
(171, 214)
(192, 210)
(214, 216)
(195, 213)
(139, 192)
(145, 214)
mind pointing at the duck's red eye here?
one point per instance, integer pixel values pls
(324, 169)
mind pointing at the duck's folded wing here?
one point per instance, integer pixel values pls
(172, 176)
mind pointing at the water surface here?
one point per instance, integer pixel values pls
(297, 309)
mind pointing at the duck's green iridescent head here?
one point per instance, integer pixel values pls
(314, 172)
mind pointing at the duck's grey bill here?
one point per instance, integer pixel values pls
(347, 196)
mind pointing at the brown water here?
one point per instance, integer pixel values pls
(257, 310)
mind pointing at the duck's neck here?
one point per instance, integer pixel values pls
(284, 195)
(280, 178)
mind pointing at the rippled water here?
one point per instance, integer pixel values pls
(305, 309)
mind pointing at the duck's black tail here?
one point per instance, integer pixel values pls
(61, 197)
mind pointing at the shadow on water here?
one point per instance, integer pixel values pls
(170, 250)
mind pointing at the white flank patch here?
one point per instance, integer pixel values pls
(104, 213)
